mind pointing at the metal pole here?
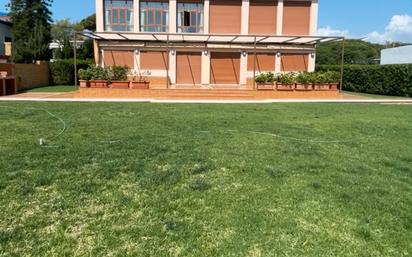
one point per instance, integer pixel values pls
(168, 62)
(342, 65)
(75, 58)
(254, 64)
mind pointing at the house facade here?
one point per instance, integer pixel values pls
(209, 43)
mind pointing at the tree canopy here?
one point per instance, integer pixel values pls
(356, 52)
(32, 30)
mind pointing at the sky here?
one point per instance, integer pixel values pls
(378, 21)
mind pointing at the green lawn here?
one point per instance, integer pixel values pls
(205, 180)
(373, 96)
(51, 89)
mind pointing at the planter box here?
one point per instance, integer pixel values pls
(304, 87)
(322, 87)
(265, 86)
(84, 83)
(285, 87)
(120, 84)
(140, 84)
(98, 83)
(334, 86)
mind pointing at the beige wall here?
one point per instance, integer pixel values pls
(28, 75)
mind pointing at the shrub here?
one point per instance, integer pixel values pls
(85, 74)
(395, 80)
(118, 73)
(304, 78)
(261, 78)
(287, 78)
(99, 73)
(62, 71)
(270, 77)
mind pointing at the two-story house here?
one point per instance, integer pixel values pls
(206, 42)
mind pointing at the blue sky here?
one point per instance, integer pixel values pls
(379, 19)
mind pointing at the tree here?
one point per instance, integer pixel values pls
(88, 23)
(356, 52)
(31, 28)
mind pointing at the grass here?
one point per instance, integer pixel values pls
(373, 96)
(205, 180)
(51, 89)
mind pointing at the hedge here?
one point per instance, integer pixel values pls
(62, 71)
(394, 80)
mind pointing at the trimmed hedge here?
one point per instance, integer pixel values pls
(394, 80)
(62, 71)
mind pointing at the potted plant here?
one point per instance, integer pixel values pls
(118, 77)
(303, 82)
(99, 77)
(139, 81)
(286, 82)
(84, 77)
(332, 78)
(319, 81)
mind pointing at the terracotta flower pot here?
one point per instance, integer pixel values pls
(120, 84)
(140, 84)
(99, 83)
(285, 87)
(84, 83)
(334, 86)
(322, 87)
(303, 87)
(266, 86)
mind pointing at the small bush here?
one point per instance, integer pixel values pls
(118, 73)
(99, 73)
(287, 78)
(85, 74)
(62, 71)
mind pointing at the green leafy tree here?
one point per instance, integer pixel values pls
(88, 23)
(32, 30)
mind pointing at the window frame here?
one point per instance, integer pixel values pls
(162, 25)
(110, 10)
(198, 12)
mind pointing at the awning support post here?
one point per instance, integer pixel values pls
(342, 65)
(254, 63)
(75, 58)
(168, 62)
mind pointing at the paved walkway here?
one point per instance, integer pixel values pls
(69, 97)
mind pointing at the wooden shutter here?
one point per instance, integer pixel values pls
(119, 58)
(153, 60)
(262, 17)
(224, 68)
(225, 16)
(294, 62)
(264, 62)
(188, 68)
(296, 18)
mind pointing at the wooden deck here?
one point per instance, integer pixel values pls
(204, 94)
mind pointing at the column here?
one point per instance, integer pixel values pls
(312, 61)
(137, 61)
(245, 17)
(136, 16)
(99, 16)
(206, 16)
(172, 16)
(172, 66)
(314, 18)
(278, 63)
(205, 68)
(243, 68)
(279, 22)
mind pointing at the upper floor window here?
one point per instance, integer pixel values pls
(154, 16)
(118, 15)
(190, 17)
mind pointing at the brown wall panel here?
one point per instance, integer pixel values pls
(225, 16)
(264, 62)
(119, 58)
(224, 68)
(153, 60)
(294, 62)
(188, 67)
(262, 17)
(296, 18)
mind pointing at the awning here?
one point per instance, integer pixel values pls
(207, 38)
